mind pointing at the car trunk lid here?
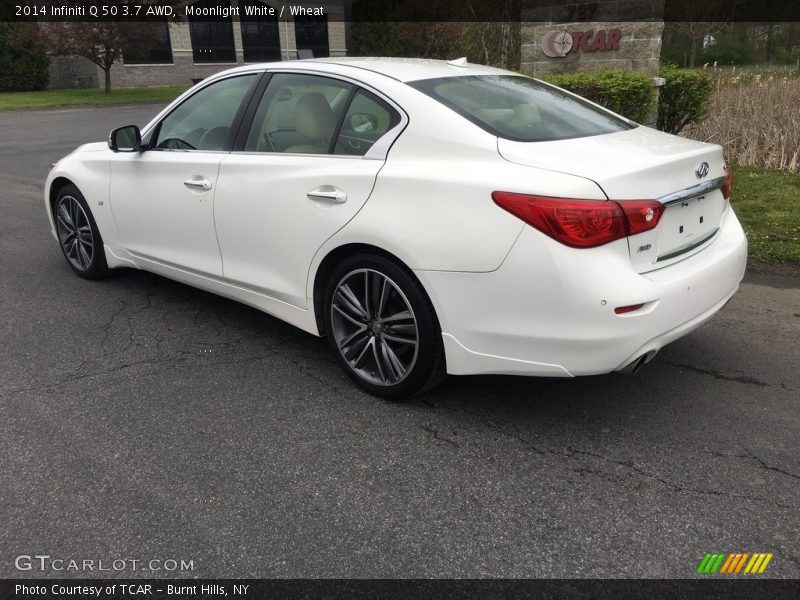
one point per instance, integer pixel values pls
(642, 164)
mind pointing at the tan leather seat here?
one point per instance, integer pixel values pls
(314, 119)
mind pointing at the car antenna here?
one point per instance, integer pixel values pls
(458, 62)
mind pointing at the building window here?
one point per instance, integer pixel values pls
(150, 47)
(212, 37)
(311, 34)
(260, 38)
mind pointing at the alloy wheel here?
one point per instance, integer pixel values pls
(75, 233)
(374, 327)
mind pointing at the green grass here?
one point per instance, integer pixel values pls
(93, 97)
(767, 203)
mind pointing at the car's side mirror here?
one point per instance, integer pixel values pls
(125, 139)
(363, 123)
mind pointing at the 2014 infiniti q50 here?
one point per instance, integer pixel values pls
(427, 217)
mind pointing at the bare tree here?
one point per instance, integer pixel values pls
(704, 20)
(485, 31)
(102, 43)
(495, 38)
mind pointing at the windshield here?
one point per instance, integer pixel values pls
(520, 109)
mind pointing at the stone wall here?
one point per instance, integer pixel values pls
(72, 72)
(638, 48)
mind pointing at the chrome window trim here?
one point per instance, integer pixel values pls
(294, 154)
(693, 192)
(188, 151)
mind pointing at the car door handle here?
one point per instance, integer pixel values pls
(198, 183)
(327, 193)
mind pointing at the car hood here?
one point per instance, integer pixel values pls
(92, 147)
(635, 163)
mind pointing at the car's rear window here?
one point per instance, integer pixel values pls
(520, 108)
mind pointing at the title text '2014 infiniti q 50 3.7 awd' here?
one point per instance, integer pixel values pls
(427, 217)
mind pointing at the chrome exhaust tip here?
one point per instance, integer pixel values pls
(637, 364)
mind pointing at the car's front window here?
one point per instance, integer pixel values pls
(519, 108)
(204, 121)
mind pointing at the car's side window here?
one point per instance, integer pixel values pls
(204, 121)
(368, 118)
(298, 114)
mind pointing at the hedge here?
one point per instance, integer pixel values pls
(23, 62)
(685, 98)
(627, 93)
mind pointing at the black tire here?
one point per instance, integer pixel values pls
(391, 285)
(80, 241)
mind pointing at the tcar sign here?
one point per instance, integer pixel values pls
(558, 44)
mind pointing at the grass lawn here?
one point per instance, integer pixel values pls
(767, 203)
(93, 97)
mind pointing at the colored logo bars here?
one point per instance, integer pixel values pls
(734, 562)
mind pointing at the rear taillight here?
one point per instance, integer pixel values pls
(582, 223)
(576, 223)
(726, 187)
(641, 215)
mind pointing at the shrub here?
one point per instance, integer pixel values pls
(685, 98)
(625, 92)
(23, 62)
(728, 50)
(372, 38)
(787, 56)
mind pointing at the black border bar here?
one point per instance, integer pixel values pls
(767, 11)
(733, 588)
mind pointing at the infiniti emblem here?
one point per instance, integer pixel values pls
(701, 170)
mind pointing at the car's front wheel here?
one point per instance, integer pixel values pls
(382, 327)
(78, 235)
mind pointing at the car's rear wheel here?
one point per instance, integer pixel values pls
(382, 327)
(78, 235)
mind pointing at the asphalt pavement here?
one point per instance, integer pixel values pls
(141, 419)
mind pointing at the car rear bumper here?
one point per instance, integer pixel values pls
(549, 309)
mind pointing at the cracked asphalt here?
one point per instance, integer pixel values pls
(140, 418)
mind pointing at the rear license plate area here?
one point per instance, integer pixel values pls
(689, 223)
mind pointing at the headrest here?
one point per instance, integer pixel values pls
(313, 117)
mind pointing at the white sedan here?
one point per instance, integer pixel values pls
(428, 217)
